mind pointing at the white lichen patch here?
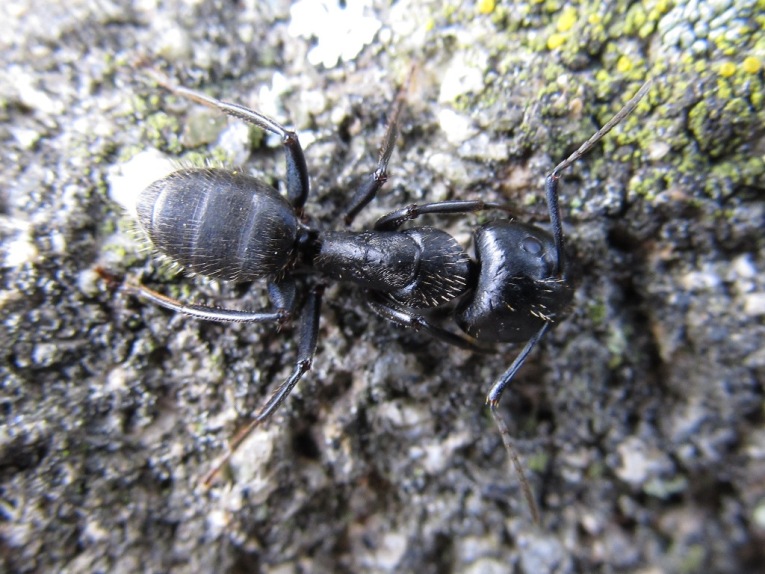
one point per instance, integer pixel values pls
(19, 249)
(340, 32)
(457, 127)
(639, 462)
(129, 179)
(465, 74)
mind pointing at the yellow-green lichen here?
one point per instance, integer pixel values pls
(163, 132)
(665, 488)
(597, 312)
(596, 470)
(486, 6)
(727, 69)
(555, 41)
(636, 19)
(616, 344)
(751, 65)
(537, 462)
(202, 127)
(719, 128)
(693, 559)
(725, 177)
(702, 108)
(624, 65)
(566, 20)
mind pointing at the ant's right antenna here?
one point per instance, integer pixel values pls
(551, 184)
(551, 192)
(597, 136)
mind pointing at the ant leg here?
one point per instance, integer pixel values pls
(281, 315)
(392, 312)
(379, 176)
(297, 171)
(492, 400)
(308, 334)
(283, 293)
(395, 219)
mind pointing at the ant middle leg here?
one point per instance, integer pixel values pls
(379, 176)
(395, 219)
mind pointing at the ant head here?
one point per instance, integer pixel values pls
(518, 287)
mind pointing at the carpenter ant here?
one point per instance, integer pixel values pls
(224, 224)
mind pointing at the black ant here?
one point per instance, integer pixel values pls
(224, 224)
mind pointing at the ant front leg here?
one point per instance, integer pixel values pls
(492, 399)
(389, 310)
(297, 171)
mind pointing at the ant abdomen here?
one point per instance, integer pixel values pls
(219, 223)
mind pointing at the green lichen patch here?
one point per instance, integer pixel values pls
(163, 131)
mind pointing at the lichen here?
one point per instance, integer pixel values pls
(486, 6)
(163, 131)
(537, 462)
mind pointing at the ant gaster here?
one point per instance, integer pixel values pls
(224, 224)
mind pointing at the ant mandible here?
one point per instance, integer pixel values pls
(224, 224)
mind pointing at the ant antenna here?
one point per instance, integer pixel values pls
(597, 136)
(551, 183)
(551, 192)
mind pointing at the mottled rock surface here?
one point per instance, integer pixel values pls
(640, 418)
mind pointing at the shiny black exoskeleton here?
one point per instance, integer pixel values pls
(227, 225)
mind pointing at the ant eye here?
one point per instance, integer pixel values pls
(531, 245)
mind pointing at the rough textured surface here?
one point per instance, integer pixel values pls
(640, 417)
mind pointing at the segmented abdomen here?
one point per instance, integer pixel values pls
(219, 223)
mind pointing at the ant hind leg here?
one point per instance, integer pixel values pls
(297, 170)
(308, 334)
